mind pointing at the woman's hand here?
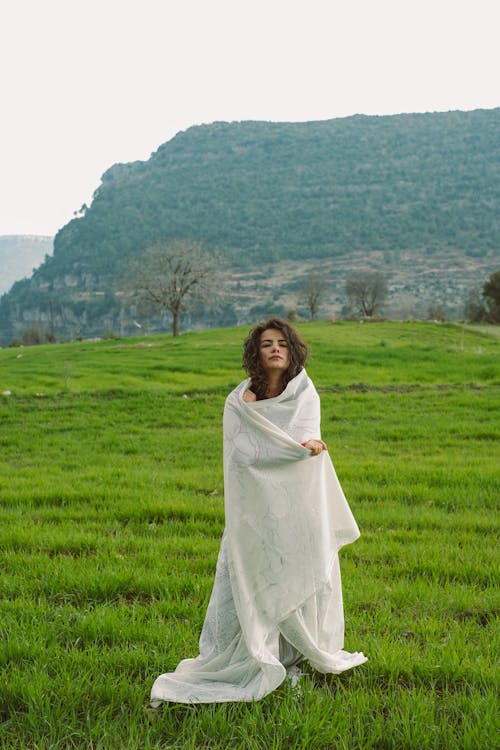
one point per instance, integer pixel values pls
(249, 396)
(315, 446)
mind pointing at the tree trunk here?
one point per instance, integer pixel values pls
(175, 322)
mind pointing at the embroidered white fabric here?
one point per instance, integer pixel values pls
(277, 594)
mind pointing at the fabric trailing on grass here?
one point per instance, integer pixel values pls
(277, 595)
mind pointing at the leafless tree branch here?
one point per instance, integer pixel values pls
(367, 291)
(173, 275)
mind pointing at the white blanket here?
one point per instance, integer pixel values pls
(277, 594)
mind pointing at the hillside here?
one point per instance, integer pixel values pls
(412, 186)
(19, 255)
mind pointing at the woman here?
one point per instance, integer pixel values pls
(277, 595)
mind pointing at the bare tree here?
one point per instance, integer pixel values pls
(437, 312)
(312, 294)
(491, 293)
(367, 291)
(475, 309)
(173, 275)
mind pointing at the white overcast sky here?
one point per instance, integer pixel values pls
(86, 84)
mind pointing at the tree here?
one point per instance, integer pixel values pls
(437, 312)
(474, 306)
(173, 275)
(491, 293)
(313, 291)
(367, 291)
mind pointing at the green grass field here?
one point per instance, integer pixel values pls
(111, 513)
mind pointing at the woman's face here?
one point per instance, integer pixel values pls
(274, 353)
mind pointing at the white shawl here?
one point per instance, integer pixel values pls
(277, 592)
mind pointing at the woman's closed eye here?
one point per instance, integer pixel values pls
(268, 343)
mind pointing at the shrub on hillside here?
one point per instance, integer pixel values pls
(36, 334)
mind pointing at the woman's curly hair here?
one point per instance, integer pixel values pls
(251, 355)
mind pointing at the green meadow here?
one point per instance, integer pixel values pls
(111, 513)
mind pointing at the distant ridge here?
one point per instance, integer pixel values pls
(19, 255)
(416, 185)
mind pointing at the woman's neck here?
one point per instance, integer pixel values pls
(274, 387)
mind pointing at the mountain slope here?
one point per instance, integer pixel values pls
(277, 189)
(264, 192)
